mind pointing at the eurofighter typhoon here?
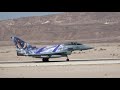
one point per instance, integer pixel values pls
(54, 51)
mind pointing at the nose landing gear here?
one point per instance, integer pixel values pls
(67, 59)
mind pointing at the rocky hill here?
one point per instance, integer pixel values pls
(78, 26)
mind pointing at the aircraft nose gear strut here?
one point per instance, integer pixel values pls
(67, 59)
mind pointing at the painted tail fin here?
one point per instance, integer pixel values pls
(20, 44)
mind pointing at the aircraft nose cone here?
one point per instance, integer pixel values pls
(90, 47)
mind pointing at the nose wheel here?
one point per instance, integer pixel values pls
(67, 59)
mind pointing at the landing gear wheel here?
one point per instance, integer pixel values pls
(45, 59)
(67, 59)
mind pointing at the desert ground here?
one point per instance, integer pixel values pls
(101, 62)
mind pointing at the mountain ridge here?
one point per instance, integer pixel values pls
(84, 26)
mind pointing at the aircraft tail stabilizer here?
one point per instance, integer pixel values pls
(19, 43)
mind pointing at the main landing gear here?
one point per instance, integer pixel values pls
(45, 59)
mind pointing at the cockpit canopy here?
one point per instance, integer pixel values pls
(72, 43)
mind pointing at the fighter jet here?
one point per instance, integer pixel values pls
(54, 51)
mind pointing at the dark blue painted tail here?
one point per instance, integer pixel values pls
(20, 44)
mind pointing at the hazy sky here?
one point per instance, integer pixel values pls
(11, 15)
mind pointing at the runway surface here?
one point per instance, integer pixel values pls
(57, 63)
